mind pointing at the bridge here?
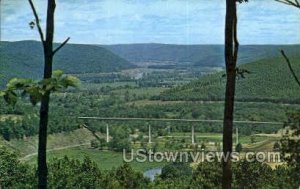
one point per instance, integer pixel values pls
(173, 120)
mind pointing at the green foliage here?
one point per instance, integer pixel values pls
(245, 175)
(37, 89)
(286, 177)
(252, 174)
(13, 174)
(207, 175)
(176, 170)
(10, 97)
(118, 145)
(72, 173)
(171, 183)
(69, 173)
(130, 179)
(290, 143)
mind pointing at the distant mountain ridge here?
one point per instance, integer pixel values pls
(25, 59)
(194, 55)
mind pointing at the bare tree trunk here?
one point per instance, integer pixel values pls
(42, 165)
(231, 51)
(48, 59)
(44, 110)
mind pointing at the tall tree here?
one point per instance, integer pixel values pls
(45, 99)
(39, 91)
(231, 52)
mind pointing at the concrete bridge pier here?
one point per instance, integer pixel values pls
(193, 134)
(107, 133)
(149, 134)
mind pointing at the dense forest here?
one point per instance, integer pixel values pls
(263, 80)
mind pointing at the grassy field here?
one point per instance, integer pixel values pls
(149, 91)
(87, 86)
(106, 160)
(29, 145)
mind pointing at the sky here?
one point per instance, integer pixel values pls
(153, 21)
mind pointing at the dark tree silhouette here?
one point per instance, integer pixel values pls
(294, 3)
(45, 99)
(231, 53)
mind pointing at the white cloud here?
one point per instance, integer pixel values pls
(162, 21)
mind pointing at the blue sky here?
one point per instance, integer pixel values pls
(153, 21)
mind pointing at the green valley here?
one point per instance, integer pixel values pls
(267, 94)
(149, 94)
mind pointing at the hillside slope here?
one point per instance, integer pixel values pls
(270, 79)
(194, 55)
(25, 59)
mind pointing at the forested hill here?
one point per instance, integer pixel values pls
(194, 55)
(25, 59)
(269, 80)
